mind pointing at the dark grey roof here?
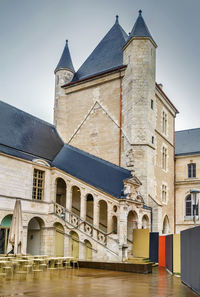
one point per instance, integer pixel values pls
(107, 55)
(187, 142)
(27, 137)
(140, 29)
(93, 170)
(26, 133)
(65, 60)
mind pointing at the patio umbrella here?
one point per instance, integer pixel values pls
(16, 230)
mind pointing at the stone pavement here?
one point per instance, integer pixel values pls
(94, 283)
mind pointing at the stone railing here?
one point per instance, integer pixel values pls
(59, 210)
(80, 224)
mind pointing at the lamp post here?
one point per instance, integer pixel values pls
(194, 193)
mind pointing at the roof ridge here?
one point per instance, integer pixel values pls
(187, 130)
(97, 158)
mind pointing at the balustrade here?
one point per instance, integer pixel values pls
(76, 221)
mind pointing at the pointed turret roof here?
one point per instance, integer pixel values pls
(107, 55)
(65, 60)
(140, 29)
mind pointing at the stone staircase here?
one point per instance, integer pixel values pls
(106, 245)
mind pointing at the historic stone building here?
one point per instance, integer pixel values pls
(106, 167)
(113, 108)
(187, 166)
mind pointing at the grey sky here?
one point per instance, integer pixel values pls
(33, 33)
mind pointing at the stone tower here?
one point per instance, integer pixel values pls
(64, 73)
(139, 120)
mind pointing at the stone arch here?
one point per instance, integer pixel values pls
(76, 200)
(89, 208)
(58, 240)
(74, 244)
(61, 191)
(114, 224)
(145, 222)
(132, 223)
(103, 215)
(35, 236)
(88, 250)
(4, 233)
(166, 226)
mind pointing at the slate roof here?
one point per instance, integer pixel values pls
(140, 28)
(28, 134)
(94, 171)
(107, 55)
(27, 137)
(65, 60)
(187, 142)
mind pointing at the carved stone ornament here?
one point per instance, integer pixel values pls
(130, 158)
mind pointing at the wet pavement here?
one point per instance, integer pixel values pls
(94, 283)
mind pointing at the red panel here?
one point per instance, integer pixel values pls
(161, 251)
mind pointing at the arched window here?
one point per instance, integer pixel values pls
(189, 207)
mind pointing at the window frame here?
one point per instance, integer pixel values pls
(38, 184)
(191, 170)
(190, 216)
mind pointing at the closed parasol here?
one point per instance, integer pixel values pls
(16, 230)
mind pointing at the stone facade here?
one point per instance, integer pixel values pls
(183, 186)
(16, 182)
(117, 116)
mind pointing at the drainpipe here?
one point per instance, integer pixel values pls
(120, 121)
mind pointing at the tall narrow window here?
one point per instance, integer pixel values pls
(164, 193)
(151, 104)
(164, 123)
(192, 170)
(189, 207)
(164, 158)
(38, 184)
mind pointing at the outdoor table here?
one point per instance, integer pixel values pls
(21, 263)
(37, 262)
(51, 262)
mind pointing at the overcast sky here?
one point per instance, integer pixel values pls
(33, 34)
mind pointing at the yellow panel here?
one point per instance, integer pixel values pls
(141, 243)
(176, 253)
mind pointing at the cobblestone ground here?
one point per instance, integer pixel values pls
(94, 283)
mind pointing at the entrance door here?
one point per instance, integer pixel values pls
(74, 245)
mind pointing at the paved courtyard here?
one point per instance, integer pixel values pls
(94, 283)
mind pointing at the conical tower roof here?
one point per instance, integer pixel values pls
(65, 60)
(140, 29)
(107, 55)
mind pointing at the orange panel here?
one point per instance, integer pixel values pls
(161, 251)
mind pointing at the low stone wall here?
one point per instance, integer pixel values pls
(117, 266)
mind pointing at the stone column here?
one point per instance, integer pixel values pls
(67, 250)
(109, 218)
(83, 205)
(122, 230)
(96, 216)
(69, 201)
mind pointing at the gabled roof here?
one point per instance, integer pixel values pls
(92, 170)
(187, 142)
(26, 133)
(65, 60)
(140, 29)
(27, 137)
(107, 55)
